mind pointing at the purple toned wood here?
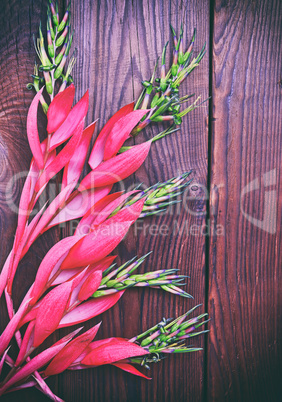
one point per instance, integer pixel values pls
(18, 22)
(118, 45)
(244, 355)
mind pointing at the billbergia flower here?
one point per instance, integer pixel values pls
(78, 279)
(82, 352)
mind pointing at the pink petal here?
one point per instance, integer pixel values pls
(50, 312)
(112, 352)
(22, 219)
(101, 342)
(79, 205)
(9, 304)
(129, 213)
(4, 273)
(32, 131)
(61, 159)
(34, 170)
(121, 132)
(85, 223)
(52, 259)
(59, 108)
(31, 383)
(90, 347)
(70, 125)
(130, 369)
(10, 308)
(78, 367)
(3, 358)
(81, 275)
(97, 152)
(77, 282)
(78, 278)
(96, 245)
(70, 352)
(117, 168)
(67, 274)
(37, 362)
(108, 209)
(43, 387)
(30, 228)
(23, 210)
(89, 309)
(74, 168)
(48, 215)
(32, 313)
(26, 343)
(90, 285)
(30, 316)
(50, 159)
(10, 329)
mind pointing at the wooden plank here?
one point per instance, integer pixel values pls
(244, 351)
(181, 377)
(117, 45)
(111, 64)
(19, 20)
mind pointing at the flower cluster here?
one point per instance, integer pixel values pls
(78, 279)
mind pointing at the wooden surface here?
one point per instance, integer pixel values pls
(229, 143)
(244, 299)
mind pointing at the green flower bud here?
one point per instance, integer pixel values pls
(174, 327)
(155, 100)
(128, 282)
(157, 119)
(163, 85)
(55, 20)
(185, 57)
(181, 58)
(162, 338)
(160, 101)
(45, 107)
(54, 13)
(63, 22)
(177, 119)
(51, 51)
(49, 87)
(118, 285)
(62, 38)
(69, 43)
(46, 68)
(58, 59)
(49, 26)
(36, 81)
(58, 72)
(174, 69)
(146, 342)
(176, 109)
(146, 84)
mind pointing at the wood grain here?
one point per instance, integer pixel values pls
(244, 299)
(118, 44)
(18, 22)
(180, 378)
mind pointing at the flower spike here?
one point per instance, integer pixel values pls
(59, 108)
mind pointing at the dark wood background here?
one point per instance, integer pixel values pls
(230, 142)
